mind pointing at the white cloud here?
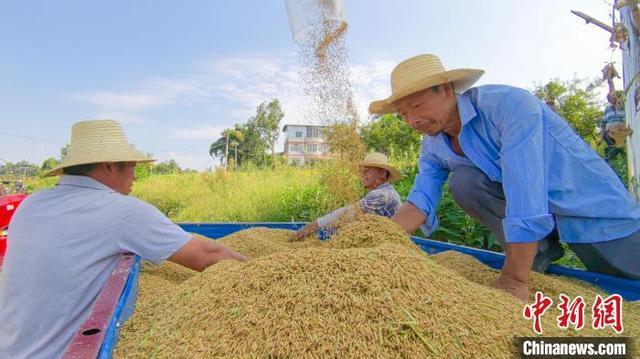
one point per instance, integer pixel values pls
(205, 132)
(244, 82)
(198, 162)
(124, 100)
(229, 87)
(124, 117)
(371, 82)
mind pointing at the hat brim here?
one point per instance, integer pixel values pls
(57, 171)
(462, 80)
(394, 174)
(619, 135)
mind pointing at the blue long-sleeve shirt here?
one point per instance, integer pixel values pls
(550, 176)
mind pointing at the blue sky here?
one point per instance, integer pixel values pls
(175, 73)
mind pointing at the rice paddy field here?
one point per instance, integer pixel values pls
(288, 194)
(234, 197)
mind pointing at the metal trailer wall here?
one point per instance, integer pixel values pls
(631, 74)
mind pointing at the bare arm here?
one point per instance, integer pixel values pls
(409, 217)
(346, 212)
(305, 231)
(198, 254)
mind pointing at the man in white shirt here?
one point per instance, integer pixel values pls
(65, 241)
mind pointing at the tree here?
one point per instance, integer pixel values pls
(216, 149)
(576, 102)
(267, 122)
(389, 133)
(63, 152)
(48, 164)
(253, 148)
(167, 167)
(234, 139)
(231, 137)
(19, 169)
(251, 141)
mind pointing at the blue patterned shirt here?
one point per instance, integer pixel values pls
(611, 116)
(383, 201)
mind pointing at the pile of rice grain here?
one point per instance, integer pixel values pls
(550, 285)
(260, 241)
(385, 301)
(369, 230)
(374, 297)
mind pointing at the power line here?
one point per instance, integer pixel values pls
(6, 134)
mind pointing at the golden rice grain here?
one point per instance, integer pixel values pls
(367, 292)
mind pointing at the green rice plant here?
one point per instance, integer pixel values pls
(258, 195)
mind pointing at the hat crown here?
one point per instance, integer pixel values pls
(97, 136)
(415, 69)
(375, 158)
(96, 141)
(420, 73)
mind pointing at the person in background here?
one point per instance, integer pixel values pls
(613, 128)
(613, 119)
(381, 199)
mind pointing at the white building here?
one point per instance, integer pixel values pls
(304, 144)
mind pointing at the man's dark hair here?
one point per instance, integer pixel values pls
(83, 170)
(79, 170)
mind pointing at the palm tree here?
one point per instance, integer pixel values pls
(220, 148)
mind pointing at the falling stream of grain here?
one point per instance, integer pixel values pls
(326, 80)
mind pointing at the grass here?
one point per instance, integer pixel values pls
(289, 194)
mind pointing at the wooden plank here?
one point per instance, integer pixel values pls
(591, 20)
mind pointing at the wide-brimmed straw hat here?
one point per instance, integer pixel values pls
(420, 73)
(98, 141)
(619, 133)
(377, 159)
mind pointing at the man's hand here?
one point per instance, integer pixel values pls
(305, 231)
(515, 287)
(199, 253)
(517, 266)
(409, 217)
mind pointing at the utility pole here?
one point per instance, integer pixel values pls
(631, 69)
(226, 151)
(235, 149)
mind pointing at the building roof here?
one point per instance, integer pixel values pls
(284, 129)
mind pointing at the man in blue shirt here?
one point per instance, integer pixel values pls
(517, 167)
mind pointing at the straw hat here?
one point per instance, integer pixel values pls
(420, 73)
(377, 159)
(619, 133)
(98, 141)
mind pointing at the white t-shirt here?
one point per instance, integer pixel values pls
(63, 244)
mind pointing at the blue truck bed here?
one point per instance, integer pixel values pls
(629, 289)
